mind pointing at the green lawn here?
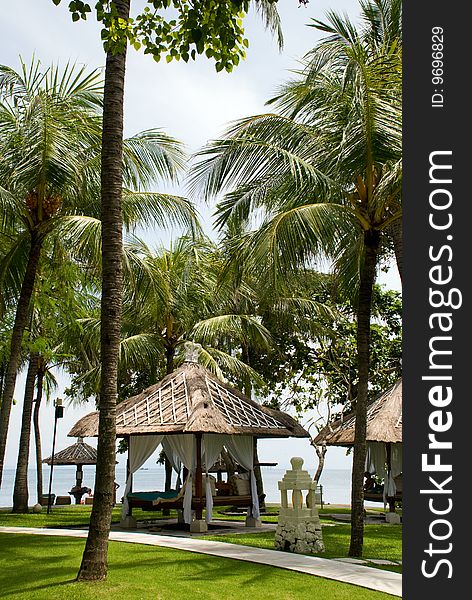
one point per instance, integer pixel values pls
(49, 565)
(67, 516)
(380, 541)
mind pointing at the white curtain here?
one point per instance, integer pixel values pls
(174, 459)
(241, 448)
(396, 461)
(211, 449)
(140, 449)
(376, 459)
(376, 462)
(184, 446)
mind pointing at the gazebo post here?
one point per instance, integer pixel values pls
(388, 449)
(129, 522)
(79, 475)
(129, 474)
(251, 520)
(199, 525)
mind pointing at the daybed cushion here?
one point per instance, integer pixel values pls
(151, 496)
(212, 484)
(240, 483)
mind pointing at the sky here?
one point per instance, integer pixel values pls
(192, 103)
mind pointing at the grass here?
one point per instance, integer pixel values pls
(67, 516)
(48, 567)
(76, 515)
(380, 542)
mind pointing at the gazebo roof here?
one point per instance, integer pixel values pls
(192, 400)
(384, 421)
(77, 454)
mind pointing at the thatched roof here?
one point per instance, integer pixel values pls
(384, 421)
(192, 400)
(77, 454)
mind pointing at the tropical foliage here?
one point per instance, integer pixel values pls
(284, 304)
(323, 176)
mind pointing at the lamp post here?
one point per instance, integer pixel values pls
(58, 414)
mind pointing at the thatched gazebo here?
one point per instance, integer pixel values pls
(384, 439)
(194, 415)
(78, 454)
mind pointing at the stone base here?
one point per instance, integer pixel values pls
(180, 516)
(129, 522)
(198, 526)
(252, 522)
(393, 518)
(301, 538)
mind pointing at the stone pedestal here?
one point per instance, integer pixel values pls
(180, 516)
(299, 527)
(252, 522)
(129, 522)
(304, 538)
(393, 518)
(198, 526)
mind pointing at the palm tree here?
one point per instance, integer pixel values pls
(94, 560)
(323, 175)
(34, 168)
(179, 300)
(57, 297)
(50, 136)
(20, 492)
(170, 298)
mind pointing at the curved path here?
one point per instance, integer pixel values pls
(368, 577)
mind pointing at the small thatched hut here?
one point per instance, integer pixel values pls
(384, 439)
(194, 416)
(78, 454)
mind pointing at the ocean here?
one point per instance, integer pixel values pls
(336, 482)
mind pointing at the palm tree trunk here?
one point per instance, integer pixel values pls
(95, 557)
(396, 232)
(367, 280)
(21, 319)
(247, 389)
(170, 355)
(321, 453)
(20, 491)
(37, 431)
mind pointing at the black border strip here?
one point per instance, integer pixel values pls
(437, 231)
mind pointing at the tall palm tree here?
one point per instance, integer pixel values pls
(37, 157)
(323, 175)
(170, 298)
(94, 560)
(50, 137)
(20, 491)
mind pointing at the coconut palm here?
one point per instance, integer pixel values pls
(50, 138)
(55, 303)
(20, 491)
(94, 559)
(170, 298)
(323, 175)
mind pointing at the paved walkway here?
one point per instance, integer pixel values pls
(374, 579)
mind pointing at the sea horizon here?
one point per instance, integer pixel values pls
(336, 482)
